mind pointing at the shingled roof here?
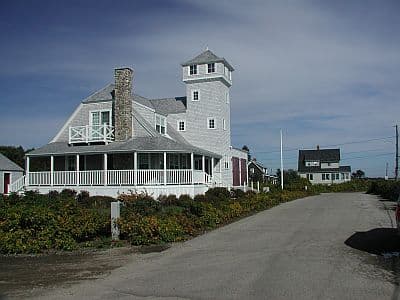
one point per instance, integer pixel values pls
(323, 156)
(207, 57)
(8, 165)
(140, 144)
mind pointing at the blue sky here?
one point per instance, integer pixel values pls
(327, 72)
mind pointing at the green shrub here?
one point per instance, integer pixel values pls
(217, 194)
(386, 188)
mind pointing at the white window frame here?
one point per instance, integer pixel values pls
(212, 67)
(178, 125)
(223, 124)
(196, 67)
(100, 111)
(161, 118)
(198, 95)
(310, 176)
(208, 123)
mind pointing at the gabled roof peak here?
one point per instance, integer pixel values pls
(207, 56)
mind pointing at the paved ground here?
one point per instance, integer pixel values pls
(322, 247)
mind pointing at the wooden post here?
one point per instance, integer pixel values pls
(77, 170)
(165, 168)
(105, 169)
(135, 171)
(203, 167)
(27, 162)
(115, 214)
(51, 170)
(192, 165)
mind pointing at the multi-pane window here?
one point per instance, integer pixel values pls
(161, 124)
(312, 163)
(310, 176)
(195, 96)
(211, 68)
(326, 176)
(193, 69)
(226, 164)
(211, 123)
(181, 125)
(336, 176)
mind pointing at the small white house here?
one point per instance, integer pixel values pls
(9, 172)
(322, 166)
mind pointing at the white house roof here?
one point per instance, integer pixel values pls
(207, 57)
(8, 165)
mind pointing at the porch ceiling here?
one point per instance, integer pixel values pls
(141, 144)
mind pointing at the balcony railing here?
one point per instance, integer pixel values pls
(90, 134)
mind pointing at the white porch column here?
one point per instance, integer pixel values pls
(203, 167)
(27, 162)
(212, 165)
(192, 165)
(77, 170)
(135, 172)
(51, 170)
(105, 169)
(165, 168)
(240, 173)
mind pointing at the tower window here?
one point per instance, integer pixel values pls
(195, 96)
(181, 125)
(211, 123)
(193, 69)
(223, 124)
(211, 68)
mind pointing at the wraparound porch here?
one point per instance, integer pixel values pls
(122, 169)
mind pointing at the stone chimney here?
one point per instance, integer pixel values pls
(123, 104)
(317, 147)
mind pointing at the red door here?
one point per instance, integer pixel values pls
(243, 170)
(235, 171)
(6, 182)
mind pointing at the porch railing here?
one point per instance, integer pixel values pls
(118, 177)
(88, 134)
(17, 185)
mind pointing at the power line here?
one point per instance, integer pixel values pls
(332, 145)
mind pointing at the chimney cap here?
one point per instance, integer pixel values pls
(123, 68)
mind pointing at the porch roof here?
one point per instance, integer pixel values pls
(140, 144)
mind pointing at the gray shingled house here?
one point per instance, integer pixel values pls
(9, 172)
(117, 141)
(322, 166)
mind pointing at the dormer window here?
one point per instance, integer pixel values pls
(211, 68)
(161, 124)
(192, 69)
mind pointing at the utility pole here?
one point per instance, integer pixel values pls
(281, 162)
(386, 174)
(396, 170)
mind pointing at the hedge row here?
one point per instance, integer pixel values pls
(169, 219)
(386, 188)
(355, 185)
(57, 221)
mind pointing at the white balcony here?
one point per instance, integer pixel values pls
(91, 134)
